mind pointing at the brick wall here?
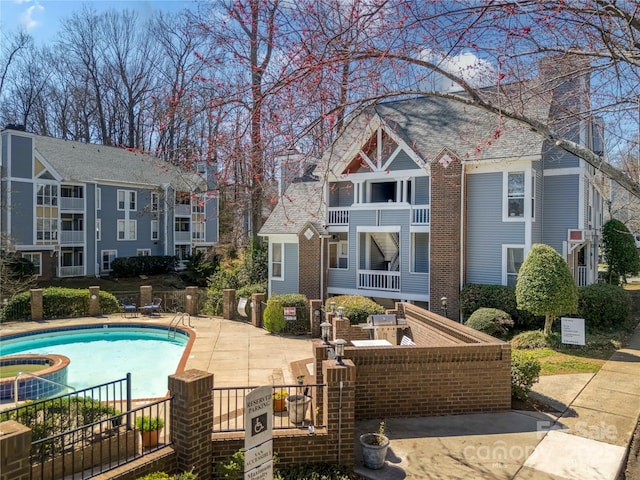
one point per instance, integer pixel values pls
(445, 239)
(309, 253)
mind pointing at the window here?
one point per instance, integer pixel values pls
(98, 229)
(143, 252)
(198, 231)
(533, 196)
(98, 198)
(36, 259)
(419, 252)
(108, 256)
(276, 260)
(339, 251)
(197, 206)
(513, 256)
(127, 229)
(127, 200)
(383, 192)
(155, 202)
(47, 229)
(183, 198)
(515, 194)
(182, 252)
(47, 194)
(155, 230)
(182, 224)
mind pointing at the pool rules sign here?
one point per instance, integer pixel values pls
(258, 418)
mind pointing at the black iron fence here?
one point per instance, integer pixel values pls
(294, 406)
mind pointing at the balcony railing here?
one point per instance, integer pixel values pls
(73, 237)
(420, 215)
(183, 237)
(379, 280)
(338, 216)
(581, 278)
(71, 203)
(74, 271)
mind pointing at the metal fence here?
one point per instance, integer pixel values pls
(294, 406)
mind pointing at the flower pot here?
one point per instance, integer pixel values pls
(374, 450)
(297, 407)
(150, 438)
(279, 405)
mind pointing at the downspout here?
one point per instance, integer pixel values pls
(462, 233)
(166, 219)
(322, 268)
(340, 423)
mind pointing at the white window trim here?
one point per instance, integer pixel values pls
(155, 202)
(156, 230)
(98, 198)
(102, 254)
(505, 247)
(127, 230)
(505, 195)
(30, 255)
(413, 254)
(272, 247)
(338, 244)
(140, 252)
(98, 229)
(127, 196)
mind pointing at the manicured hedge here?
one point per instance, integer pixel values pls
(474, 296)
(274, 320)
(356, 308)
(58, 302)
(125, 267)
(604, 306)
(491, 321)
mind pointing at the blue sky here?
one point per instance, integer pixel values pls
(41, 18)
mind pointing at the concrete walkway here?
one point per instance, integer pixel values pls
(586, 438)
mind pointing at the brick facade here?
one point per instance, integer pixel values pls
(309, 263)
(445, 237)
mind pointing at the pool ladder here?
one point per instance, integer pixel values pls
(178, 317)
(22, 374)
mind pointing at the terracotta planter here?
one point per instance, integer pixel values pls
(374, 450)
(279, 405)
(150, 438)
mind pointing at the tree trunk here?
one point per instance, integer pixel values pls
(548, 323)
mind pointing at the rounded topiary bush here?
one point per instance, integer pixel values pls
(356, 307)
(491, 321)
(604, 306)
(525, 370)
(274, 316)
(302, 323)
(535, 339)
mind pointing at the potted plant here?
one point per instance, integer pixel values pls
(374, 448)
(279, 398)
(297, 407)
(150, 428)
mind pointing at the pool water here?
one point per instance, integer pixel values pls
(101, 355)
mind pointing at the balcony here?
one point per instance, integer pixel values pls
(420, 215)
(74, 271)
(182, 237)
(338, 216)
(72, 237)
(72, 204)
(379, 280)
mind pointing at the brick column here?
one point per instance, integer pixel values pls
(191, 300)
(15, 447)
(256, 309)
(339, 416)
(37, 310)
(316, 320)
(445, 237)
(228, 303)
(191, 420)
(146, 295)
(94, 303)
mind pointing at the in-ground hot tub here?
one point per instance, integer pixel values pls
(54, 369)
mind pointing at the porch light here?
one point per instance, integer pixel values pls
(93, 297)
(339, 344)
(326, 328)
(189, 297)
(333, 307)
(443, 302)
(340, 312)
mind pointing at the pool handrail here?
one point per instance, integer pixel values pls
(15, 384)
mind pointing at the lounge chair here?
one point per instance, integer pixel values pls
(153, 308)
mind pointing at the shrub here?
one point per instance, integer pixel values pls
(157, 476)
(474, 296)
(604, 306)
(356, 308)
(619, 248)
(225, 276)
(491, 321)
(533, 339)
(274, 316)
(274, 320)
(199, 267)
(149, 424)
(545, 285)
(126, 267)
(525, 370)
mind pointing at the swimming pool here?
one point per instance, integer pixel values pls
(106, 352)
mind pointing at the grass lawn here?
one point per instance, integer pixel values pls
(554, 362)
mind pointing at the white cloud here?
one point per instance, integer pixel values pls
(475, 71)
(27, 20)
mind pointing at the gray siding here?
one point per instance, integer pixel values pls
(403, 162)
(555, 157)
(559, 214)
(291, 269)
(486, 233)
(421, 252)
(395, 217)
(340, 194)
(90, 256)
(210, 211)
(421, 190)
(21, 157)
(536, 226)
(22, 221)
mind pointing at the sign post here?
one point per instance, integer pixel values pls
(258, 434)
(572, 331)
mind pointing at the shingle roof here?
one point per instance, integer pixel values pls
(83, 162)
(302, 203)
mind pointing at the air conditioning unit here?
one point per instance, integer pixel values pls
(576, 236)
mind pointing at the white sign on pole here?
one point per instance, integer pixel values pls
(572, 331)
(258, 425)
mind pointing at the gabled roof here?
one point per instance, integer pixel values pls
(302, 203)
(83, 162)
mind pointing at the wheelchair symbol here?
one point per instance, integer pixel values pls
(258, 424)
(258, 427)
